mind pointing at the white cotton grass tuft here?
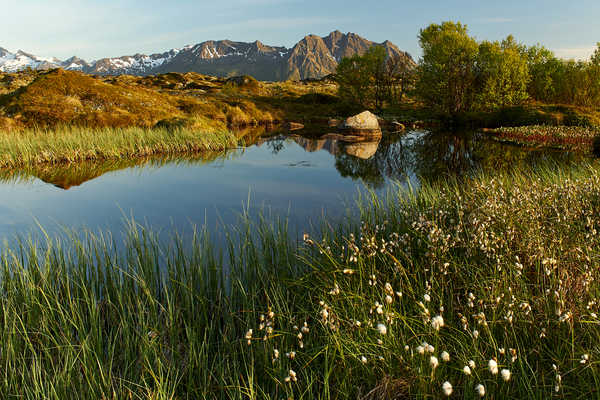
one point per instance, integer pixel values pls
(382, 329)
(505, 375)
(472, 364)
(433, 361)
(493, 367)
(445, 356)
(447, 388)
(480, 390)
(467, 370)
(437, 322)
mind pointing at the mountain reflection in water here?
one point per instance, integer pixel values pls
(414, 155)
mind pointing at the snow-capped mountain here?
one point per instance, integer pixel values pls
(12, 62)
(311, 57)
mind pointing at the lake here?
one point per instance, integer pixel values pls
(287, 175)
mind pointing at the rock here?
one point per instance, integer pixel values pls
(293, 126)
(365, 121)
(333, 122)
(398, 126)
(363, 150)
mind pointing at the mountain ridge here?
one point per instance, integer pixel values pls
(310, 58)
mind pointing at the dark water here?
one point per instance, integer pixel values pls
(285, 175)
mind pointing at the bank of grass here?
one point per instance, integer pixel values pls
(72, 144)
(498, 272)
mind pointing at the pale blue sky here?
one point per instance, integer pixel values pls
(102, 28)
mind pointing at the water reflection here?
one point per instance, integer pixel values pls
(415, 155)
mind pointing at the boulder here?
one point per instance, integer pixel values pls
(362, 150)
(398, 127)
(365, 121)
(293, 126)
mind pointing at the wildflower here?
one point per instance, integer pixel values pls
(406, 348)
(427, 298)
(249, 336)
(475, 333)
(382, 329)
(348, 271)
(480, 390)
(389, 299)
(584, 359)
(275, 354)
(430, 348)
(437, 322)
(447, 388)
(445, 356)
(388, 288)
(467, 370)
(291, 355)
(420, 349)
(271, 314)
(293, 375)
(505, 375)
(433, 361)
(493, 366)
(335, 291)
(363, 359)
(305, 328)
(471, 363)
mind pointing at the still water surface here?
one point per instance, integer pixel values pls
(292, 176)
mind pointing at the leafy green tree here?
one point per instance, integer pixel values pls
(447, 75)
(374, 79)
(545, 71)
(502, 74)
(359, 77)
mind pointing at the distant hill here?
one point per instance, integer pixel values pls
(311, 57)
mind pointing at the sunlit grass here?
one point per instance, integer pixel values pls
(68, 145)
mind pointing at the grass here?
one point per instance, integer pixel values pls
(69, 145)
(499, 268)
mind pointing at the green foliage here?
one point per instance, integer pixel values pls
(503, 75)
(357, 76)
(373, 79)
(563, 81)
(447, 73)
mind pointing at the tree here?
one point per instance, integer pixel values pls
(357, 77)
(373, 79)
(502, 74)
(545, 72)
(447, 75)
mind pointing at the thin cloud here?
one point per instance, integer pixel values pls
(576, 53)
(494, 20)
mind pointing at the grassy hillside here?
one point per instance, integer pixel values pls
(65, 98)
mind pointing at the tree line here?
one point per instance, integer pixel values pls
(458, 74)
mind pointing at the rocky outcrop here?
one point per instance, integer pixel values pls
(313, 57)
(366, 121)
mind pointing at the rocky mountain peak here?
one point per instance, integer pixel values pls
(311, 57)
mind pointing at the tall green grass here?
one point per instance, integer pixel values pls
(500, 268)
(71, 144)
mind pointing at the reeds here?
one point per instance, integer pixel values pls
(68, 145)
(465, 289)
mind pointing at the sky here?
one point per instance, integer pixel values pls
(93, 29)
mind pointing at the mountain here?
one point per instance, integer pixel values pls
(312, 57)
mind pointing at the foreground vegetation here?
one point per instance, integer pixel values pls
(487, 288)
